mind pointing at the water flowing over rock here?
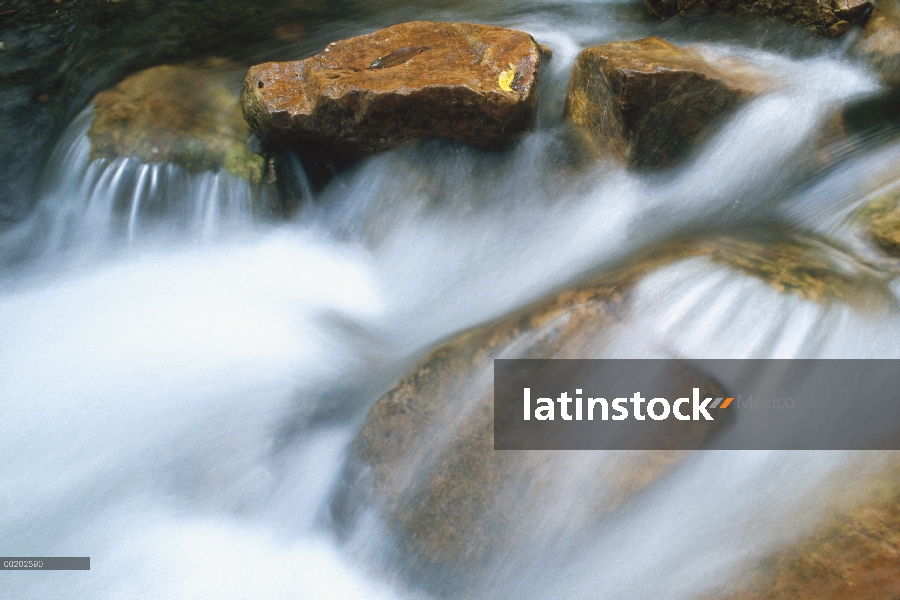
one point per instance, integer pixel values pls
(881, 43)
(459, 507)
(648, 102)
(853, 554)
(473, 83)
(187, 114)
(829, 17)
(425, 455)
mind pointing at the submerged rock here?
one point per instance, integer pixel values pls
(648, 102)
(425, 455)
(473, 83)
(460, 511)
(187, 114)
(828, 17)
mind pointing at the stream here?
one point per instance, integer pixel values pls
(181, 380)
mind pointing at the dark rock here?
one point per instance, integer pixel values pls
(56, 56)
(829, 17)
(648, 102)
(473, 83)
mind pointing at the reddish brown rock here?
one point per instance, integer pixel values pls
(473, 83)
(649, 102)
(829, 17)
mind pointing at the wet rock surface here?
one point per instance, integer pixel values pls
(829, 17)
(648, 102)
(188, 114)
(472, 83)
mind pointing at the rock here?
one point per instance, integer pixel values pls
(807, 267)
(459, 511)
(829, 17)
(854, 554)
(881, 218)
(58, 55)
(649, 102)
(425, 455)
(881, 43)
(189, 115)
(473, 83)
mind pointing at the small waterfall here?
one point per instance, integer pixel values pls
(89, 206)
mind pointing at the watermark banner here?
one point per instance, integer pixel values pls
(631, 404)
(45, 563)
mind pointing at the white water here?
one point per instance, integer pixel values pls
(180, 381)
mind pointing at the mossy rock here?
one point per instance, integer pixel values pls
(186, 114)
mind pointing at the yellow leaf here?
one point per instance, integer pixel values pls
(506, 78)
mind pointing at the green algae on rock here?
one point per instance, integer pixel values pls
(186, 114)
(803, 265)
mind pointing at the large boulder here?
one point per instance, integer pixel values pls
(648, 102)
(188, 114)
(829, 17)
(461, 511)
(473, 83)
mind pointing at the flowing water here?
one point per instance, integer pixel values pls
(180, 380)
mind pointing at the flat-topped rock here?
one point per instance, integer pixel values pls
(472, 83)
(648, 102)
